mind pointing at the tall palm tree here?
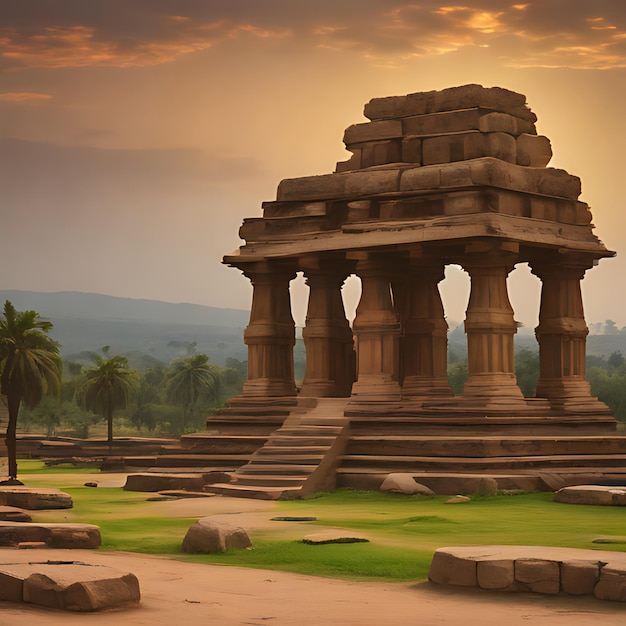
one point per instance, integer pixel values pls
(189, 378)
(30, 365)
(108, 386)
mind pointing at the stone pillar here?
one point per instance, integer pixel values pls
(489, 322)
(424, 342)
(270, 335)
(330, 356)
(377, 332)
(562, 332)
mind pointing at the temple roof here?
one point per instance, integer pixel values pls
(437, 168)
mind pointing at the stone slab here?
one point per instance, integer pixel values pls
(59, 535)
(539, 569)
(334, 537)
(13, 514)
(35, 498)
(164, 481)
(68, 585)
(592, 494)
(454, 98)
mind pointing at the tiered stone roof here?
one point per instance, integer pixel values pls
(436, 167)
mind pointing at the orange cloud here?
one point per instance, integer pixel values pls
(83, 46)
(554, 33)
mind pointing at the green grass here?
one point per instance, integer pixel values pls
(404, 530)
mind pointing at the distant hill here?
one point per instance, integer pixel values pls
(163, 330)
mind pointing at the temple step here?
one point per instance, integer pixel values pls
(485, 446)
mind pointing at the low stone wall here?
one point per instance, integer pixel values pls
(537, 569)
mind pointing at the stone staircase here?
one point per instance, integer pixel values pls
(298, 459)
(452, 457)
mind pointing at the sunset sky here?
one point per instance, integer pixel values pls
(135, 135)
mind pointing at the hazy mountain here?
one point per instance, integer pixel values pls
(87, 321)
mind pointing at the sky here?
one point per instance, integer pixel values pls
(135, 135)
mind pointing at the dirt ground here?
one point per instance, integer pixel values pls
(194, 594)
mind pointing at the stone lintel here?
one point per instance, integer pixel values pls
(449, 230)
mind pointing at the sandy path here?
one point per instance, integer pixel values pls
(193, 594)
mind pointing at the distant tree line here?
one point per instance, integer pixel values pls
(40, 389)
(161, 400)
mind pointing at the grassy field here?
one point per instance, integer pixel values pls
(404, 531)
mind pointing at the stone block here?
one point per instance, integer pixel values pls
(533, 150)
(496, 574)
(151, 482)
(311, 187)
(420, 178)
(538, 575)
(372, 131)
(14, 514)
(482, 119)
(79, 587)
(454, 98)
(405, 483)
(59, 535)
(380, 153)
(371, 182)
(412, 149)
(579, 577)
(463, 202)
(464, 146)
(34, 498)
(504, 123)
(441, 123)
(210, 537)
(544, 181)
(449, 569)
(456, 175)
(612, 583)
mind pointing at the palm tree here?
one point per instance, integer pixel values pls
(106, 387)
(30, 365)
(189, 378)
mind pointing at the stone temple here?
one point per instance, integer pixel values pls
(457, 176)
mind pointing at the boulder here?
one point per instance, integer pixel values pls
(35, 498)
(210, 537)
(73, 586)
(487, 486)
(60, 535)
(405, 483)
